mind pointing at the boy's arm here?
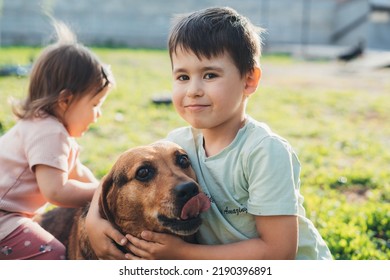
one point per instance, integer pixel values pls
(278, 240)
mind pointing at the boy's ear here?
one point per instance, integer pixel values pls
(252, 80)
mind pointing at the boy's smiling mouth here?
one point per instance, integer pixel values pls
(196, 107)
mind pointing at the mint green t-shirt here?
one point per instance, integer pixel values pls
(257, 174)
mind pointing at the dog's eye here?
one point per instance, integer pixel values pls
(144, 173)
(183, 161)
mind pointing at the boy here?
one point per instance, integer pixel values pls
(250, 174)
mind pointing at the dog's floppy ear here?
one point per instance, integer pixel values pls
(104, 209)
(112, 179)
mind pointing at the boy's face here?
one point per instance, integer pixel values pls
(208, 93)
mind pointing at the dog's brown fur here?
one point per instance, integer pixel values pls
(146, 189)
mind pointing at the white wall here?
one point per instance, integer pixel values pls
(137, 23)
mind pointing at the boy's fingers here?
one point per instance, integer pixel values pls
(119, 238)
(151, 236)
(113, 254)
(129, 256)
(110, 252)
(134, 240)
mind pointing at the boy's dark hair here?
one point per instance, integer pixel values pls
(213, 31)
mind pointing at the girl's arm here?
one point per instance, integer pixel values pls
(59, 190)
(278, 240)
(82, 173)
(101, 233)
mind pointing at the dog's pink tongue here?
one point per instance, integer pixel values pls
(196, 205)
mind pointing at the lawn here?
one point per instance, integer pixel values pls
(334, 116)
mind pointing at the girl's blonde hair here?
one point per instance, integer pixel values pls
(64, 68)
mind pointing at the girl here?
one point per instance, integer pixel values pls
(39, 157)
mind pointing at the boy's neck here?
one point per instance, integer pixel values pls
(218, 138)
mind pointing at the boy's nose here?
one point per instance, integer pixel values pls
(194, 89)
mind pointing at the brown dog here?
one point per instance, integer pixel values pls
(149, 188)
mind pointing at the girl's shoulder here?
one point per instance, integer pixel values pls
(40, 126)
(48, 123)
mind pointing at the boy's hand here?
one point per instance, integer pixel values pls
(155, 246)
(102, 241)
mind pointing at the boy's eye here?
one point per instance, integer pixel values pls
(183, 78)
(210, 76)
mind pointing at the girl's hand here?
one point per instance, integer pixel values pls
(155, 246)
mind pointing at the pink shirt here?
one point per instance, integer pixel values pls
(30, 142)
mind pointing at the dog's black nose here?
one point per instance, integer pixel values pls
(185, 191)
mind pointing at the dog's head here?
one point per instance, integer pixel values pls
(153, 188)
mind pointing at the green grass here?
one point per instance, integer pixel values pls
(341, 135)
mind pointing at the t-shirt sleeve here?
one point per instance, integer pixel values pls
(272, 183)
(50, 148)
(182, 136)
